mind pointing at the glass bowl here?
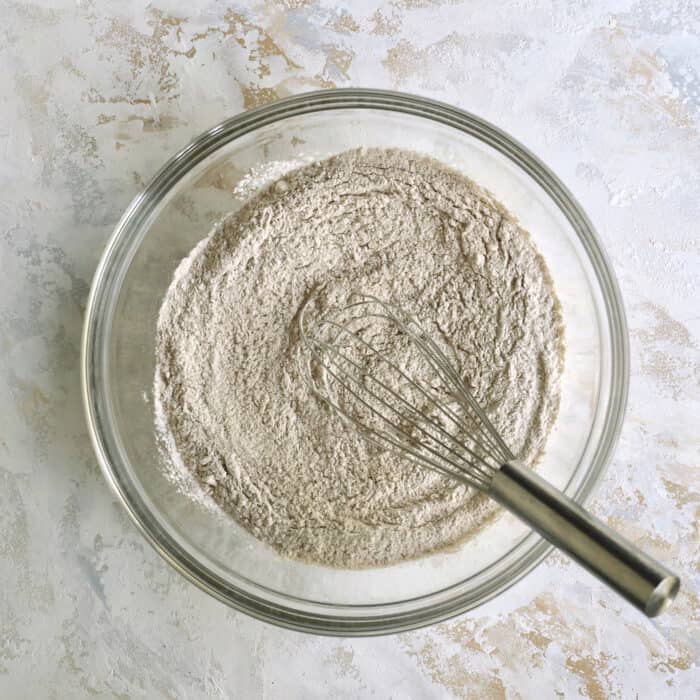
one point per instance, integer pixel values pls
(179, 207)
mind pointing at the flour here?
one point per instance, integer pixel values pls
(234, 411)
(264, 174)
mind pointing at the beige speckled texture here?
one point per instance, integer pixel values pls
(94, 97)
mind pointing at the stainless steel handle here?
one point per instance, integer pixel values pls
(644, 582)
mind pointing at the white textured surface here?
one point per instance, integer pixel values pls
(95, 96)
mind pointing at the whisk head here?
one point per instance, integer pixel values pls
(377, 368)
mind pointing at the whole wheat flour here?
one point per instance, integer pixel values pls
(230, 398)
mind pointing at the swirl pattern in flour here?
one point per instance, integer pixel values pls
(389, 223)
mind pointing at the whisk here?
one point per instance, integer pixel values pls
(420, 407)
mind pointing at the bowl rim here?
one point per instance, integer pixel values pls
(328, 618)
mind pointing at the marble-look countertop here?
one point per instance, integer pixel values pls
(96, 95)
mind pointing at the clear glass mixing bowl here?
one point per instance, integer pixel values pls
(179, 207)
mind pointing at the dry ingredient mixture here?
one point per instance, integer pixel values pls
(230, 400)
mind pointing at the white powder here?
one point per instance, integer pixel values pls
(235, 411)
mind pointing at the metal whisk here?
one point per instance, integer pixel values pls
(419, 405)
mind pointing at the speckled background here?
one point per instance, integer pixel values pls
(95, 96)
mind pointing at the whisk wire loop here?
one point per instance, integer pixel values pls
(468, 451)
(396, 430)
(410, 326)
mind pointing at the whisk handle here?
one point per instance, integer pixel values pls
(644, 582)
